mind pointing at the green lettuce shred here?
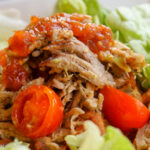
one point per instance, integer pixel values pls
(132, 26)
(90, 7)
(70, 6)
(144, 77)
(16, 145)
(91, 139)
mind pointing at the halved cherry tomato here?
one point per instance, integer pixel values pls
(37, 111)
(3, 58)
(123, 110)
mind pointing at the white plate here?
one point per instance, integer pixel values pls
(46, 7)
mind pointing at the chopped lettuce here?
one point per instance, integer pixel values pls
(144, 77)
(115, 140)
(88, 140)
(96, 10)
(91, 139)
(132, 26)
(90, 7)
(16, 145)
(70, 6)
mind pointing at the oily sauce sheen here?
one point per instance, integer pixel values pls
(14, 76)
(96, 37)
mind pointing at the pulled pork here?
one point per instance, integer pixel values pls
(142, 140)
(59, 60)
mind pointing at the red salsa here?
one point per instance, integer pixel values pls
(14, 76)
(3, 58)
(20, 42)
(96, 37)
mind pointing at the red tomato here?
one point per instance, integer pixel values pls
(123, 110)
(3, 58)
(37, 111)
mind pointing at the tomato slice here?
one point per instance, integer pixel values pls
(3, 58)
(37, 111)
(123, 110)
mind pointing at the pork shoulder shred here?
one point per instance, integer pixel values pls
(123, 57)
(142, 140)
(74, 56)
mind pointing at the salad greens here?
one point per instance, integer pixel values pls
(133, 26)
(90, 7)
(16, 145)
(91, 139)
(70, 6)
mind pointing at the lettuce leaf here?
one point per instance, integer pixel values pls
(133, 27)
(16, 145)
(70, 6)
(91, 139)
(90, 7)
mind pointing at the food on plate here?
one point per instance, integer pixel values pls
(16, 145)
(60, 76)
(10, 21)
(129, 25)
(123, 110)
(26, 108)
(92, 8)
(92, 139)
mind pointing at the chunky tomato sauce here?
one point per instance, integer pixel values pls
(20, 42)
(14, 76)
(96, 37)
(3, 58)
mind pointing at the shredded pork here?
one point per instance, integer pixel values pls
(76, 74)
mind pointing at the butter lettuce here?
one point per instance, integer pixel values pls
(16, 145)
(133, 27)
(90, 7)
(115, 140)
(70, 6)
(88, 140)
(91, 139)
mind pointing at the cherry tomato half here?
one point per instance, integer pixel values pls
(123, 110)
(37, 111)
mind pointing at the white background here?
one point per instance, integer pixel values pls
(46, 7)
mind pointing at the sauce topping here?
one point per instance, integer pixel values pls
(3, 58)
(20, 43)
(96, 37)
(14, 76)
